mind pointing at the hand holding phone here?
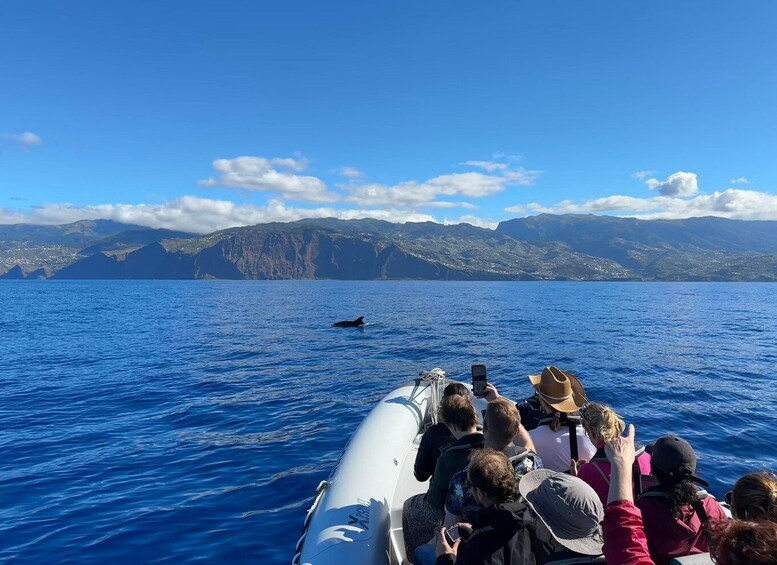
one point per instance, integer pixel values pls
(452, 534)
(479, 380)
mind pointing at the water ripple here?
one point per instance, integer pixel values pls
(162, 421)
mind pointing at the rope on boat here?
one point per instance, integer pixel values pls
(320, 490)
(436, 377)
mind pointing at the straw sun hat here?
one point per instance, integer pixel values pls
(560, 389)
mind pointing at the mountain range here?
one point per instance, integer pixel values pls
(544, 247)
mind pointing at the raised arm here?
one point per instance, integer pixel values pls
(523, 439)
(624, 537)
(620, 452)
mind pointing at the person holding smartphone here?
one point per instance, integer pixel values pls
(422, 514)
(500, 536)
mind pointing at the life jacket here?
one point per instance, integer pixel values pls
(639, 480)
(531, 412)
(660, 491)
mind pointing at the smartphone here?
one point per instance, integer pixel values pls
(452, 534)
(479, 381)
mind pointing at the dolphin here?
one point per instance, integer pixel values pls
(357, 323)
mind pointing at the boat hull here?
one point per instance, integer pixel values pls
(351, 520)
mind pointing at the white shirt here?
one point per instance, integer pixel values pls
(553, 447)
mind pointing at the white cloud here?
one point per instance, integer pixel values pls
(489, 166)
(446, 204)
(733, 203)
(25, 140)
(414, 194)
(473, 220)
(417, 194)
(198, 215)
(259, 173)
(614, 203)
(350, 172)
(740, 180)
(641, 175)
(678, 184)
(521, 176)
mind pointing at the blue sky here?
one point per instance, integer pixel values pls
(200, 116)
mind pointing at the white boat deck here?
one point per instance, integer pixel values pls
(407, 486)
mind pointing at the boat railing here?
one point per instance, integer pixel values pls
(320, 490)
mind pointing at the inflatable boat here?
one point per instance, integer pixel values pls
(356, 514)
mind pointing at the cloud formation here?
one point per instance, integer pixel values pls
(641, 175)
(677, 184)
(740, 180)
(273, 175)
(489, 166)
(350, 172)
(198, 215)
(25, 140)
(415, 194)
(474, 220)
(281, 177)
(732, 203)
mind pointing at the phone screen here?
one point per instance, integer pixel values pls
(452, 534)
(479, 380)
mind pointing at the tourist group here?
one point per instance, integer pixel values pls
(557, 479)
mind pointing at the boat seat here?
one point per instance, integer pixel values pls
(698, 559)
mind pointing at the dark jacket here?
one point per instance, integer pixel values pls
(499, 539)
(433, 443)
(455, 458)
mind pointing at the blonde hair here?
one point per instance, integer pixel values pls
(603, 421)
(755, 497)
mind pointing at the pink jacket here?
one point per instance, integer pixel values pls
(669, 537)
(597, 472)
(624, 540)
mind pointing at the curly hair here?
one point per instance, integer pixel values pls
(603, 421)
(755, 497)
(744, 542)
(491, 472)
(679, 496)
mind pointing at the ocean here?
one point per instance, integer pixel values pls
(190, 421)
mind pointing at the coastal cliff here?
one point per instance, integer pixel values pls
(536, 248)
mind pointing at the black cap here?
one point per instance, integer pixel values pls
(674, 460)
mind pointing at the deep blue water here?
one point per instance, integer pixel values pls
(189, 421)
